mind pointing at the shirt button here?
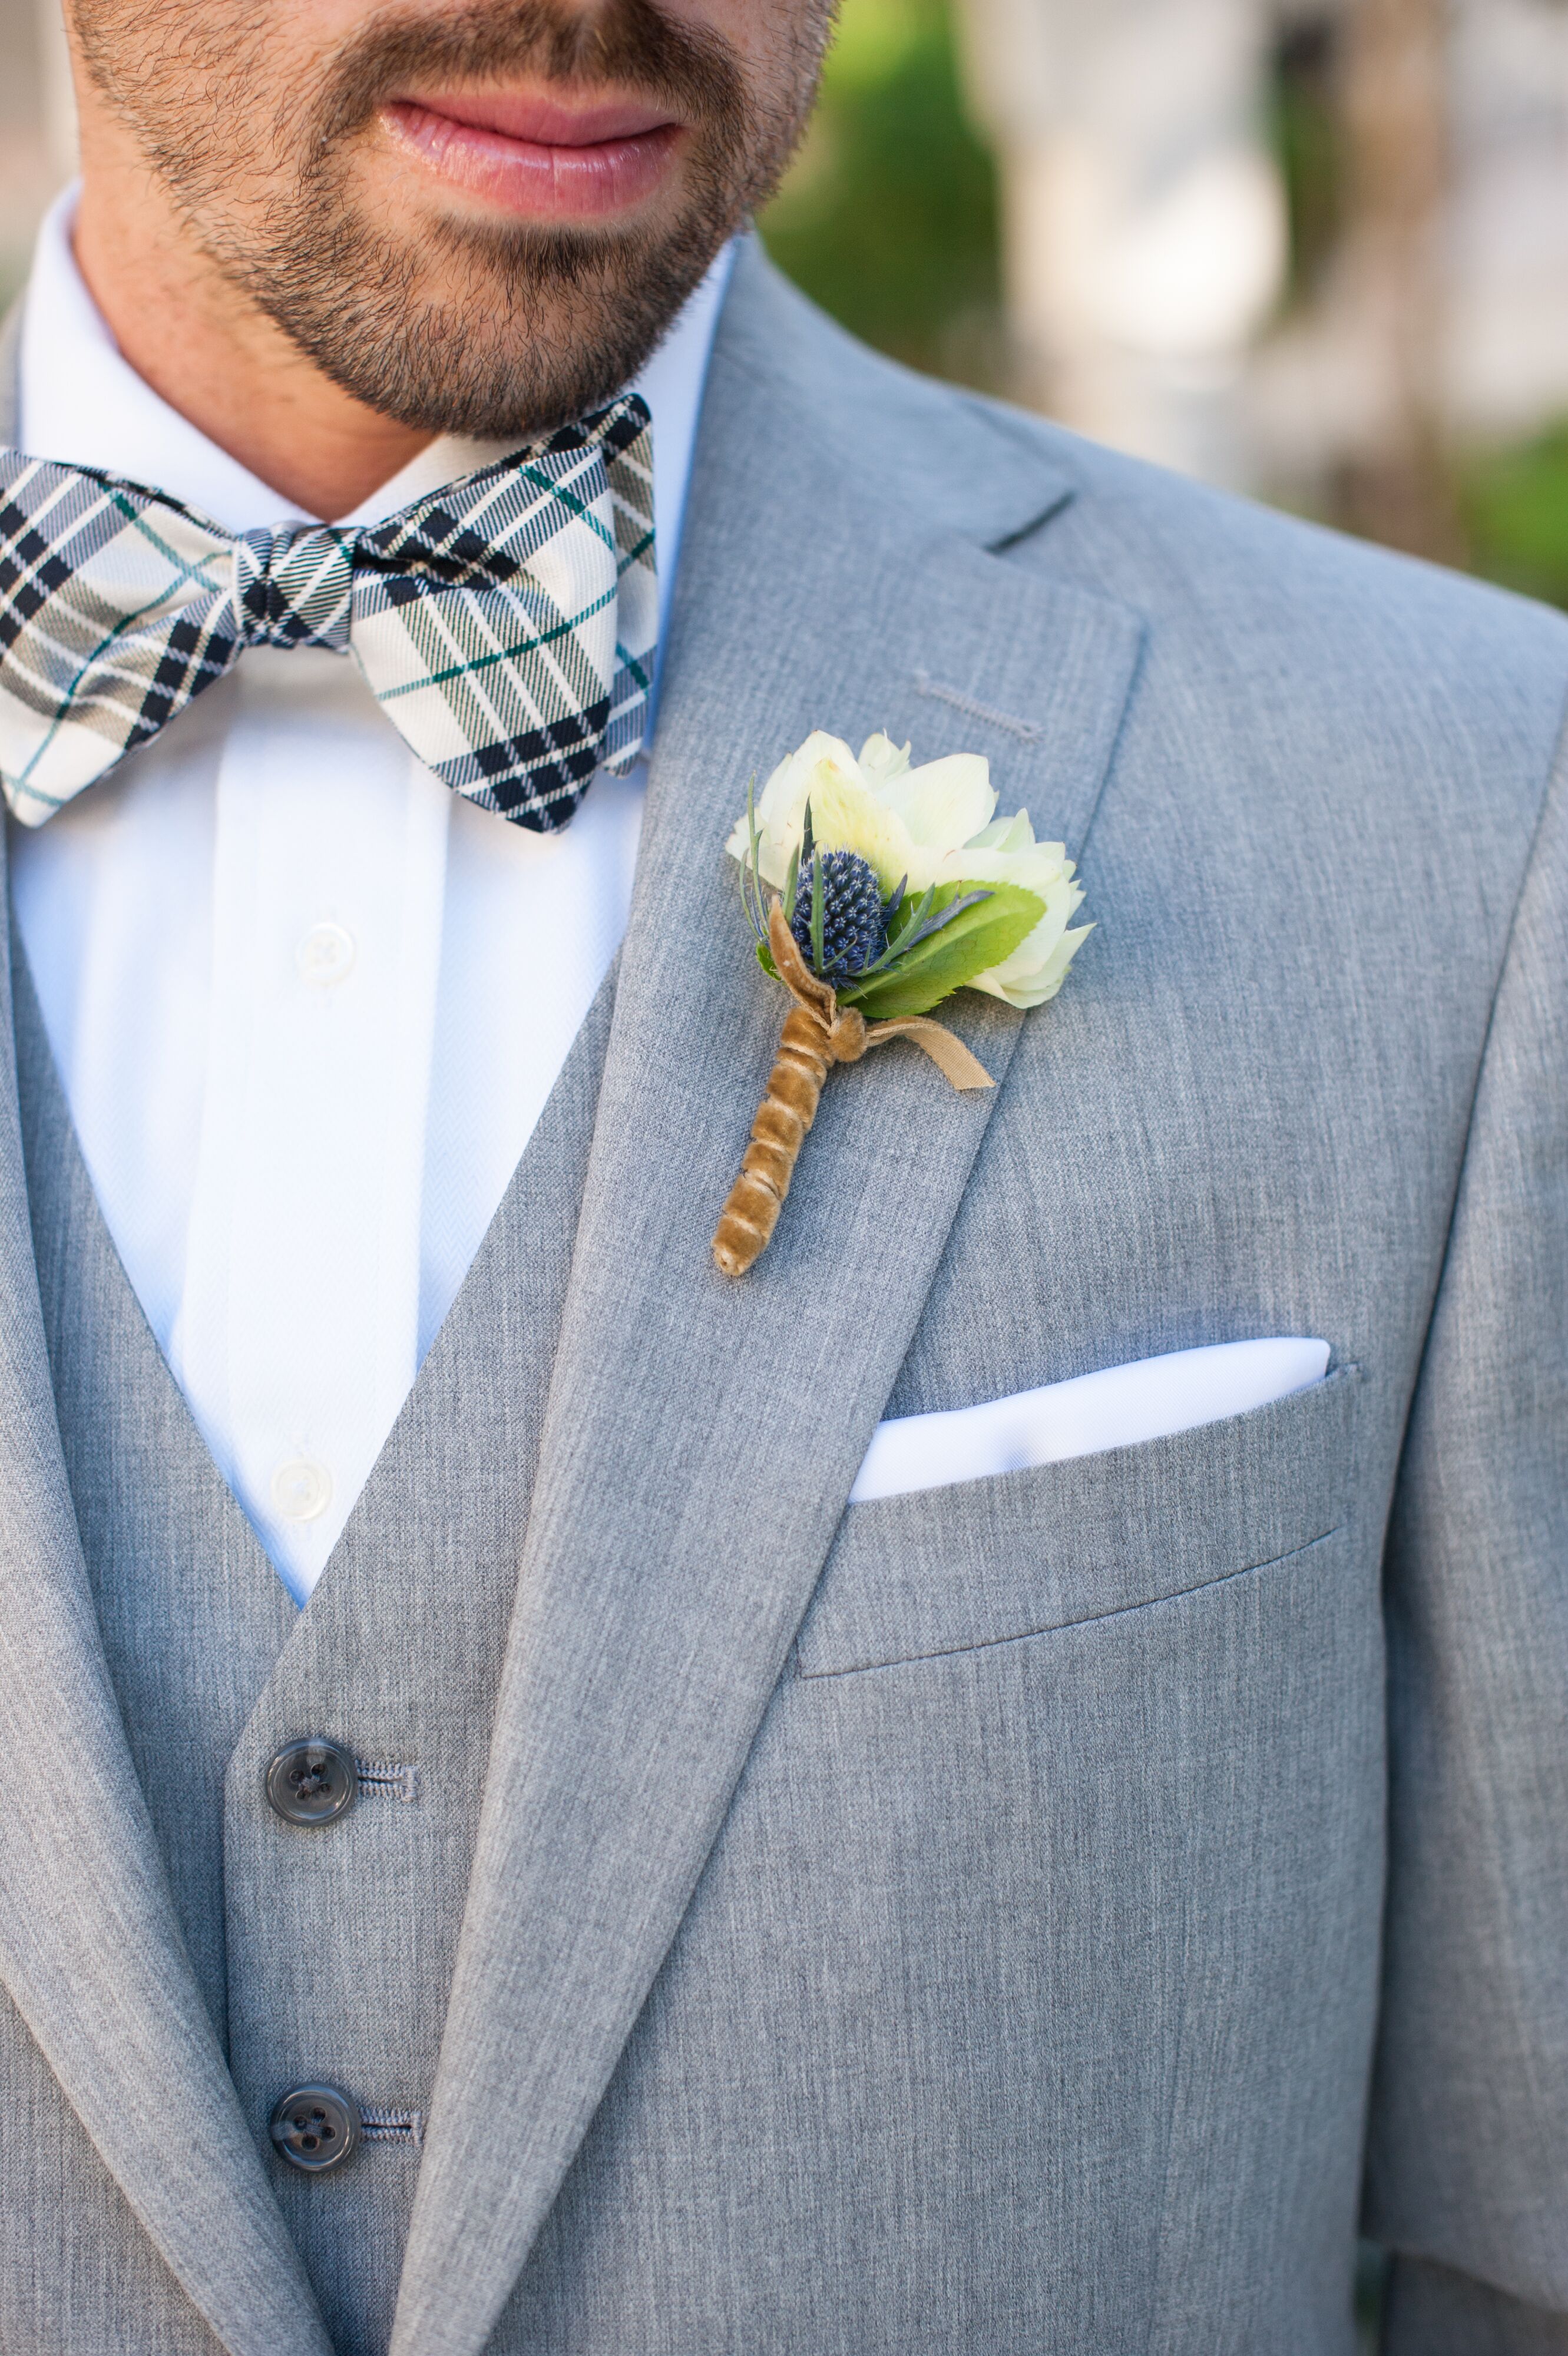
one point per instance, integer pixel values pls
(316, 2129)
(325, 954)
(312, 1783)
(302, 1490)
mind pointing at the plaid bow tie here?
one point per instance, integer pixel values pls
(506, 624)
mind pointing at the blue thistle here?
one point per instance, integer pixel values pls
(852, 923)
(840, 923)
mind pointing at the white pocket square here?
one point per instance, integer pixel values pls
(1147, 1399)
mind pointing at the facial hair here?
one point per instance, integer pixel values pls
(497, 329)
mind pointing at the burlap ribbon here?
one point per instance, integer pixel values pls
(818, 1032)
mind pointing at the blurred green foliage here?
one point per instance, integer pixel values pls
(1307, 143)
(889, 217)
(1515, 507)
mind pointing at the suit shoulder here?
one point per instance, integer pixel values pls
(1187, 554)
(1170, 546)
(1276, 629)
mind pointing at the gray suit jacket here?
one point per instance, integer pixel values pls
(1025, 1916)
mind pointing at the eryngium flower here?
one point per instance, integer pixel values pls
(854, 926)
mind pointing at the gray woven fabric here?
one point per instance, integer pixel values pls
(191, 1613)
(947, 1924)
(881, 2094)
(191, 1616)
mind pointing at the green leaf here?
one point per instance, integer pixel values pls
(819, 892)
(980, 937)
(765, 959)
(909, 916)
(751, 892)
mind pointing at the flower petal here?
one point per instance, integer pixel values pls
(846, 816)
(945, 803)
(781, 805)
(881, 760)
(1005, 834)
(1035, 970)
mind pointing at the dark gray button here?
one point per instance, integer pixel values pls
(316, 2129)
(312, 1783)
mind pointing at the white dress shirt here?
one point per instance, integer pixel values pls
(306, 1003)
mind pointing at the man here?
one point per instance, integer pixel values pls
(506, 1854)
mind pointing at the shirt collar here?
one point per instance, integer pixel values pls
(83, 405)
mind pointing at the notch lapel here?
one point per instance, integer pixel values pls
(89, 1949)
(702, 1435)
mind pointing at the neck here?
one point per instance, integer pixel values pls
(206, 349)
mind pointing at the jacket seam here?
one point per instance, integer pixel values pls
(1083, 1620)
(1556, 772)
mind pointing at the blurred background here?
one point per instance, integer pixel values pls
(1313, 250)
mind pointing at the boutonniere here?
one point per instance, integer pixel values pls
(875, 890)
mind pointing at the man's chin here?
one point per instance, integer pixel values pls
(497, 330)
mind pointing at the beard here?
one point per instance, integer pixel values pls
(495, 328)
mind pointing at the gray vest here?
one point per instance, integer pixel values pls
(324, 1952)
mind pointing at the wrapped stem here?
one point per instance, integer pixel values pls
(817, 1033)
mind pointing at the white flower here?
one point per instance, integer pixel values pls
(932, 825)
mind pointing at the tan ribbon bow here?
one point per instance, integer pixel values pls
(817, 1033)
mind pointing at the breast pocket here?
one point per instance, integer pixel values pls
(989, 1561)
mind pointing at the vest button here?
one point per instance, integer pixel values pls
(312, 1783)
(316, 2129)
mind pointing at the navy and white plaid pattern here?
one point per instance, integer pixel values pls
(507, 624)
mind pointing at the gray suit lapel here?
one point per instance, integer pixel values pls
(191, 1614)
(701, 1436)
(89, 1947)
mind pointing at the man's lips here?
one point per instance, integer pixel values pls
(541, 156)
